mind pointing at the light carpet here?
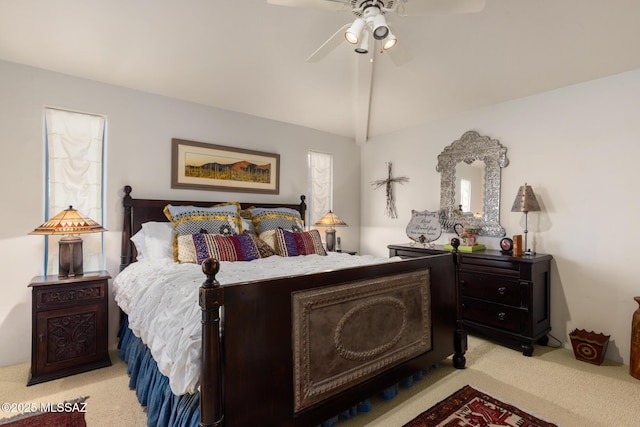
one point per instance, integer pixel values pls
(552, 385)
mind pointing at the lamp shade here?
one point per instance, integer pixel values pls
(69, 221)
(525, 200)
(330, 220)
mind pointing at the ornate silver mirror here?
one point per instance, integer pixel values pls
(470, 184)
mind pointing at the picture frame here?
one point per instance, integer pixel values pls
(202, 166)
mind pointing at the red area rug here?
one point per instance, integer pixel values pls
(468, 407)
(66, 414)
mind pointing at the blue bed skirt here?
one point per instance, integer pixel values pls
(152, 388)
(165, 409)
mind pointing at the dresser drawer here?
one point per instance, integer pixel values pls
(491, 288)
(413, 252)
(499, 316)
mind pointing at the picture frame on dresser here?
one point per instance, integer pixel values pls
(202, 166)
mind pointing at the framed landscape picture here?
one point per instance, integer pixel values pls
(201, 166)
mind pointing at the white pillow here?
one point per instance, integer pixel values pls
(158, 237)
(139, 242)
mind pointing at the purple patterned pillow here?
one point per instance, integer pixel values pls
(195, 248)
(289, 243)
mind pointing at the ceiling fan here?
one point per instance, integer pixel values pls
(370, 24)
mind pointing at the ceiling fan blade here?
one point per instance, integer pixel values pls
(332, 42)
(435, 7)
(330, 5)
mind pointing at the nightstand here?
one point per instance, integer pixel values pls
(69, 325)
(507, 298)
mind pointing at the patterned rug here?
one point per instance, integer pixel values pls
(65, 414)
(468, 407)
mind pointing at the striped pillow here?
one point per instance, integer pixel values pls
(289, 243)
(195, 248)
(186, 220)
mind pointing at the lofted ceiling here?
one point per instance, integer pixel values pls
(249, 56)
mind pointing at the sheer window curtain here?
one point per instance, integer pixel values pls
(320, 185)
(75, 171)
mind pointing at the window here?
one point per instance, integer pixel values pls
(74, 176)
(320, 200)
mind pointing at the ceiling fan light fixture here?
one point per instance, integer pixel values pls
(390, 42)
(353, 32)
(380, 28)
(363, 47)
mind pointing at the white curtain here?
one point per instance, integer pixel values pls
(320, 185)
(74, 177)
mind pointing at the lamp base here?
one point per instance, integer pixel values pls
(70, 257)
(330, 238)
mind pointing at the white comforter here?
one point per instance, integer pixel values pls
(160, 298)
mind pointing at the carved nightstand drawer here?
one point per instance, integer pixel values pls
(88, 292)
(70, 325)
(495, 289)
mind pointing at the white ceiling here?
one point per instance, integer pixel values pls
(249, 56)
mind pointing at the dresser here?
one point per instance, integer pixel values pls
(69, 325)
(503, 297)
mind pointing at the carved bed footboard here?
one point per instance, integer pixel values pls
(345, 334)
(303, 348)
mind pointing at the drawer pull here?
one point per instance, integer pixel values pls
(502, 315)
(463, 283)
(502, 290)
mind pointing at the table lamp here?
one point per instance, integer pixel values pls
(525, 202)
(330, 220)
(69, 223)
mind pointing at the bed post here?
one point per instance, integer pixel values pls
(126, 251)
(460, 339)
(303, 207)
(211, 299)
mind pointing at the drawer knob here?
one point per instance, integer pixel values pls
(502, 290)
(502, 315)
(463, 283)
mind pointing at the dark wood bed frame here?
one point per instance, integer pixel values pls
(247, 371)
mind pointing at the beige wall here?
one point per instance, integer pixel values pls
(140, 128)
(578, 148)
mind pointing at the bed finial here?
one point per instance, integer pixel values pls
(210, 268)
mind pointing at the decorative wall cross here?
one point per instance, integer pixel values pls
(391, 204)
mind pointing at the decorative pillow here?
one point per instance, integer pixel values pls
(269, 237)
(304, 243)
(158, 237)
(220, 219)
(195, 248)
(264, 248)
(265, 219)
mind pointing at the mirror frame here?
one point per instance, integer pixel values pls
(469, 148)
